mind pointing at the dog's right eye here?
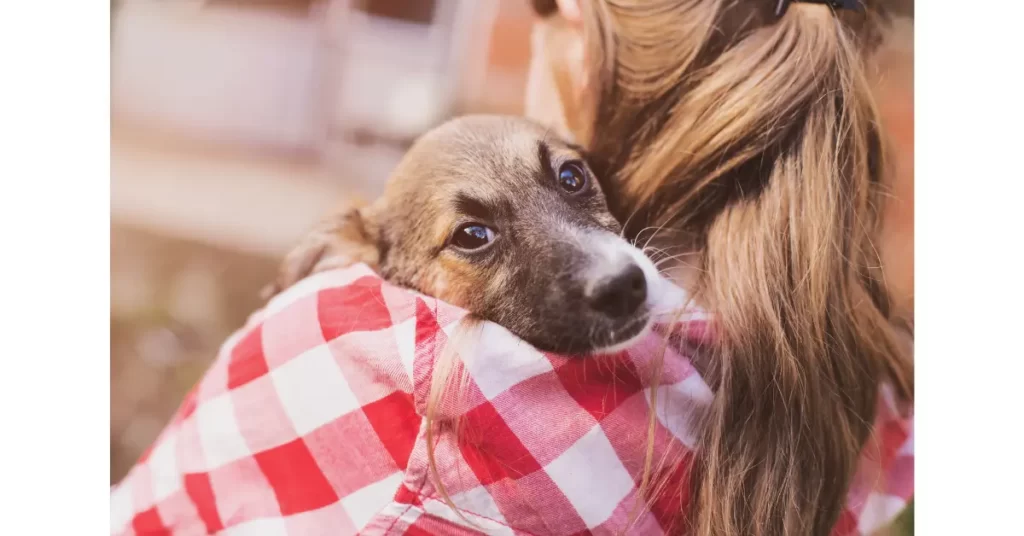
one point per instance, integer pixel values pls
(472, 236)
(571, 177)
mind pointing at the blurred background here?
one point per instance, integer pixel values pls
(237, 124)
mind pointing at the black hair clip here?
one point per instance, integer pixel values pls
(854, 5)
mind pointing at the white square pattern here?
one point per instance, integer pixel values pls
(679, 407)
(219, 435)
(591, 477)
(503, 361)
(121, 511)
(363, 504)
(405, 339)
(310, 405)
(879, 511)
(163, 467)
(479, 502)
(908, 446)
(478, 506)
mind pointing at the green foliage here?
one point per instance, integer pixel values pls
(905, 523)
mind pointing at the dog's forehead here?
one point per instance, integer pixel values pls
(495, 147)
(509, 158)
(496, 161)
(482, 151)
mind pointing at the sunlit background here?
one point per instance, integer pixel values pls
(236, 125)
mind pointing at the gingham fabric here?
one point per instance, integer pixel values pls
(310, 422)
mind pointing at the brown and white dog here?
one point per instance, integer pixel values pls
(496, 215)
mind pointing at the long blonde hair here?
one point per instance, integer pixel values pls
(755, 143)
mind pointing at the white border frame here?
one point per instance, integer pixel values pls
(969, 357)
(55, 224)
(55, 214)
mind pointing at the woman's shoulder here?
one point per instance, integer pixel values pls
(310, 402)
(315, 407)
(336, 350)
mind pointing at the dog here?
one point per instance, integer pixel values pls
(496, 215)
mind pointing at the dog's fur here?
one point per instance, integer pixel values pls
(552, 250)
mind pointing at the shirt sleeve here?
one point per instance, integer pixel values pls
(307, 406)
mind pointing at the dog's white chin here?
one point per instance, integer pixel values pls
(626, 344)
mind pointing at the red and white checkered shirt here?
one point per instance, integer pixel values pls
(311, 422)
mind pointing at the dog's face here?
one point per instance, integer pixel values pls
(496, 216)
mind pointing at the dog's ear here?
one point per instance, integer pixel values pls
(345, 238)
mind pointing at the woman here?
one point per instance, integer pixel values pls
(743, 146)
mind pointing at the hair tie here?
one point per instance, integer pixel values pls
(853, 5)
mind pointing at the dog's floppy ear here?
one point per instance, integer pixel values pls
(345, 238)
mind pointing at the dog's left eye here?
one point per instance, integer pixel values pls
(472, 236)
(571, 177)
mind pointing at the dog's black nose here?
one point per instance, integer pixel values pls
(622, 294)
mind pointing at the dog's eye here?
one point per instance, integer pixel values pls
(471, 236)
(571, 177)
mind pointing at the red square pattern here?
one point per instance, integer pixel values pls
(356, 307)
(900, 477)
(246, 360)
(404, 495)
(429, 525)
(889, 438)
(200, 491)
(148, 523)
(396, 423)
(670, 506)
(415, 530)
(296, 479)
(846, 525)
(430, 339)
(491, 448)
(600, 383)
